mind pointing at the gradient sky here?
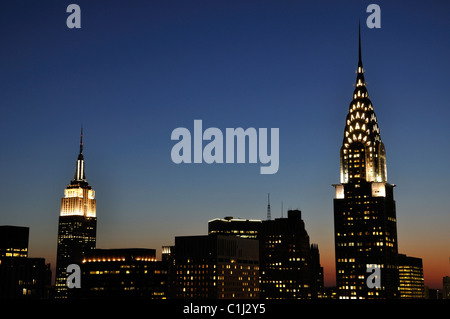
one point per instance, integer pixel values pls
(136, 70)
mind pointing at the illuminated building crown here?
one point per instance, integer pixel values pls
(79, 197)
(363, 155)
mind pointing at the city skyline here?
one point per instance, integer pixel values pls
(273, 66)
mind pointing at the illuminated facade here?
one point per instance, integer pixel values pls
(123, 273)
(411, 282)
(216, 267)
(244, 228)
(77, 224)
(289, 265)
(364, 207)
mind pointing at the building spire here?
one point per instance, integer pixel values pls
(362, 135)
(359, 42)
(81, 140)
(269, 217)
(360, 70)
(80, 176)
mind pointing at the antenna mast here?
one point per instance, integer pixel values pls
(269, 217)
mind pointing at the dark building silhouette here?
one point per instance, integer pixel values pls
(21, 277)
(14, 241)
(216, 267)
(365, 225)
(168, 262)
(289, 265)
(127, 273)
(317, 285)
(77, 225)
(431, 293)
(446, 287)
(411, 281)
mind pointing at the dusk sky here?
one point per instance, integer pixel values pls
(137, 70)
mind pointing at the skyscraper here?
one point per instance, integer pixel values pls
(364, 208)
(77, 224)
(289, 265)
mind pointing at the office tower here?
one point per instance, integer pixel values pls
(411, 282)
(364, 208)
(216, 267)
(21, 277)
(77, 224)
(287, 258)
(126, 273)
(14, 241)
(245, 228)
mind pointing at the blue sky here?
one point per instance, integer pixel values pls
(137, 70)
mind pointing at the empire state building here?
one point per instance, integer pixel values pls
(365, 223)
(77, 225)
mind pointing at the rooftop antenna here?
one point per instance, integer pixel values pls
(281, 209)
(269, 217)
(81, 140)
(359, 45)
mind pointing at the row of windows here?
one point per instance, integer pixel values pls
(367, 233)
(116, 272)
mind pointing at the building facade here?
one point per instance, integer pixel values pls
(245, 228)
(21, 277)
(289, 265)
(411, 281)
(127, 273)
(14, 241)
(216, 267)
(77, 226)
(365, 225)
(446, 287)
